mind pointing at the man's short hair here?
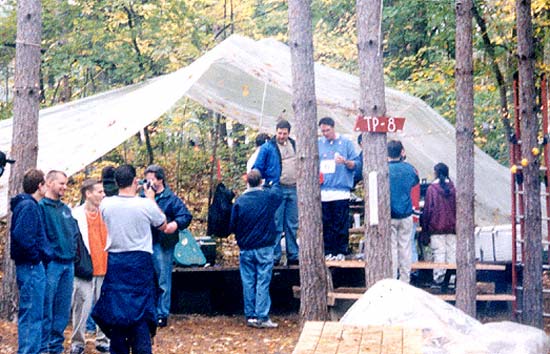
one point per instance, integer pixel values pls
(124, 175)
(53, 174)
(253, 178)
(283, 124)
(88, 186)
(32, 179)
(326, 121)
(261, 139)
(108, 172)
(157, 170)
(394, 149)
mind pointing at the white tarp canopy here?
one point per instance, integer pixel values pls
(249, 81)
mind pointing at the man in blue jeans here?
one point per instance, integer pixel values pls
(61, 232)
(253, 223)
(29, 251)
(178, 218)
(276, 162)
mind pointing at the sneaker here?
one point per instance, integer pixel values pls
(329, 257)
(252, 322)
(340, 257)
(162, 322)
(77, 350)
(102, 348)
(267, 324)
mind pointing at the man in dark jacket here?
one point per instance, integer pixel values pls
(178, 218)
(253, 223)
(62, 232)
(29, 252)
(276, 162)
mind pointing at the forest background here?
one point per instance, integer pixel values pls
(91, 46)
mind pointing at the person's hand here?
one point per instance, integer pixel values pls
(171, 227)
(149, 191)
(339, 158)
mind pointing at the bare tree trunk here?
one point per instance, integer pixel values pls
(148, 145)
(313, 277)
(375, 156)
(490, 49)
(24, 147)
(532, 272)
(465, 250)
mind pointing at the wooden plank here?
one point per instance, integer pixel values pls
(392, 340)
(371, 340)
(343, 296)
(334, 337)
(330, 338)
(480, 297)
(479, 266)
(356, 294)
(309, 338)
(346, 264)
(351, 339)
(416, 265)
(412, 340)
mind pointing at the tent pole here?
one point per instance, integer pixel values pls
(182, 142)
(214, 157)
(263, 104)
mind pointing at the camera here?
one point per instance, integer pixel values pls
(147, 184)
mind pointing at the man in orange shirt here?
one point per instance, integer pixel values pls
(85, 292)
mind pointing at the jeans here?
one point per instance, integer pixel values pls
(401, 248)
(256, 266)
(84, 294)
(286, 221)
(31, 282)
(137, 338)
(336, 226)
(57, 305)
(163, 262)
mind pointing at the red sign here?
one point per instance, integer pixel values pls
(379, 124)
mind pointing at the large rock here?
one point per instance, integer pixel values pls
(445, 328)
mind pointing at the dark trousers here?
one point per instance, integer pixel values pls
(137, 338)
(336, 226)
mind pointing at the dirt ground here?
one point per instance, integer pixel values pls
(198, 335)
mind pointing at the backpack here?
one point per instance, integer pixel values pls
(83, 267)
(187, 251)
(219, 213)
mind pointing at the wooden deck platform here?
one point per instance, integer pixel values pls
(334, 337)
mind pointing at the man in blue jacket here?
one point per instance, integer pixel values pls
(253, 223)
(178, 218)
(276, 162)
(403, 178)
(61, 231)
(29, 252)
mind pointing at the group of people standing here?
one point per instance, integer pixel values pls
(263, 215)
(108, 251)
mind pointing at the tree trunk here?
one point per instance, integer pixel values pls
(375, 156)
(532, 272)
(465, 250)
(313, 277)
(24, 147)
(490, 49)
(149, 147)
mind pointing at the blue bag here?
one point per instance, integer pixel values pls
(187, 251)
